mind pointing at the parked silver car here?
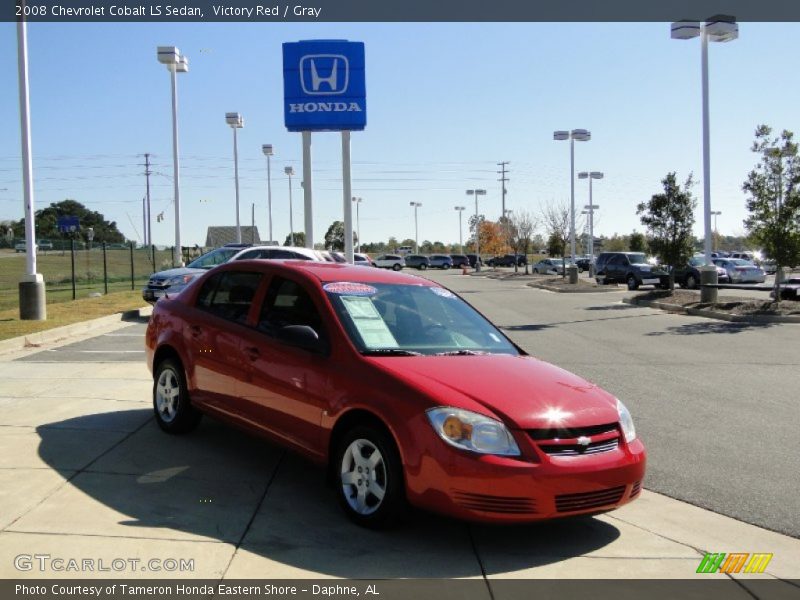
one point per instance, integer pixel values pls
(741, 271)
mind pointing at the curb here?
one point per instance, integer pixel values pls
(61, 333)
(577, 290)
(713, 314)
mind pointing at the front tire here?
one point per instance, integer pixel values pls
(369, 477)
(173, 409)
(632, 283)
(691, 282)
(422, 267)
(396, 267)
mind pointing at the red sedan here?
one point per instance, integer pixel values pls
(402, 389)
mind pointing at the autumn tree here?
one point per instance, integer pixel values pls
(522, 227)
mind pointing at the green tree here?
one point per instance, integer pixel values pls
(299, 239)
(334, 237)
(47, 222)
(774, 198)
(668, 218)
(637, 242)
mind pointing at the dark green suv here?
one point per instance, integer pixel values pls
(630, 268)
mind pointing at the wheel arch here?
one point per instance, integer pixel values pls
(353, 418)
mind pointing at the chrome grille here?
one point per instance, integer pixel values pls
(576, 450)
(564, 441)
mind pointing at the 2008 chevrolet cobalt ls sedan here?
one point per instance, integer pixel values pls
(402, 389)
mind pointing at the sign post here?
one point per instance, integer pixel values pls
(325, 90)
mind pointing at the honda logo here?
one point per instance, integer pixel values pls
(324, 74)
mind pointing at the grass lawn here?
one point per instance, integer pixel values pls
(66, 313)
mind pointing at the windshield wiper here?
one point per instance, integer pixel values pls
(462, 353)
(390, 352)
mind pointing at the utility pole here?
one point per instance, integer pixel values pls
(148, 234)
(503, 179)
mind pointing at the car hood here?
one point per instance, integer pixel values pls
(526, 393)
(177, 271)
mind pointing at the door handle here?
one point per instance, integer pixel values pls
(252, 353)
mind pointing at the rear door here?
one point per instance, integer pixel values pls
(213, 337)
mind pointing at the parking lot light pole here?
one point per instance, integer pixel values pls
(175, 63)
(582, 135)
(720, 28)
(591, 207)
(289, 172)
(32, 305)
(358, 222)
(416, 205)
(477, 193)
(460, 210)
(267, 150)
(715, 214)
(236, 121)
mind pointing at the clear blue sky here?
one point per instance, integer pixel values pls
(445, 103)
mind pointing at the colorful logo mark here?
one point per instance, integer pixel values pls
(735, 562)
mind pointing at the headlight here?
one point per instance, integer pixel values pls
(470, 431)
(180, 280)
(626, 421)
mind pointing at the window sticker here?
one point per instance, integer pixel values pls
(346, 288)
(368, 322)
(442, 292)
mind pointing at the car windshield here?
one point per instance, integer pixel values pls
(408, 320)
(741, 263)
(697, 261)
(637, 259)
(213, 258)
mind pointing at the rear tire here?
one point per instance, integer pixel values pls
(422, 267)
(691, 282)
(173, 408)
(396, 267)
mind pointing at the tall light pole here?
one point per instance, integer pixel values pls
(358, 201)
(460, 210)
(719, 28)
(591, 207)
(477, 193)
(416, 205)
(290, 171)
(176, 63)
(236, 121)
(582, 135)
(267, 150)
(715, 214)
(32, 305)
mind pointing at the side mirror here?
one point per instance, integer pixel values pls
(302, 336)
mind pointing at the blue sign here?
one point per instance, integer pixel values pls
(324, 87)
(68, 224)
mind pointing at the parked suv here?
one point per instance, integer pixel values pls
(507, 260)
(460, 260)
(417, 261)
(473, 258)
(390, 261)
(440, 261)
(630, 268)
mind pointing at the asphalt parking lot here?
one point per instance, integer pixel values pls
(243, 508)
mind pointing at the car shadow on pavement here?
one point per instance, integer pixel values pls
(613, 307)
(531, 327)
(713, 327)
(273, 507)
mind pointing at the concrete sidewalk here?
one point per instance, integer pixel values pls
(85, 473)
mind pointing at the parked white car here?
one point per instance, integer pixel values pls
(741, 271)
(390, 261)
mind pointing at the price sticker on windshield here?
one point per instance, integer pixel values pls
(346, 288)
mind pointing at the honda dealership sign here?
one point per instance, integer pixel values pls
(323, 86)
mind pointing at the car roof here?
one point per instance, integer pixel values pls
(326, 272)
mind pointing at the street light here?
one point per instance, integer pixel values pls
(175, 63)
(358, 222)
(416, 205)
(477, 193)
(236, 121)
(290, 171)
(267, 150)
(460, 209)
(591, 206)
(720, 28)
(582, 135)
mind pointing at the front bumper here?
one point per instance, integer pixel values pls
(524, 489)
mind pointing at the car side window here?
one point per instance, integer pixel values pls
(288, 303)
(229, 295)
(251, 254)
